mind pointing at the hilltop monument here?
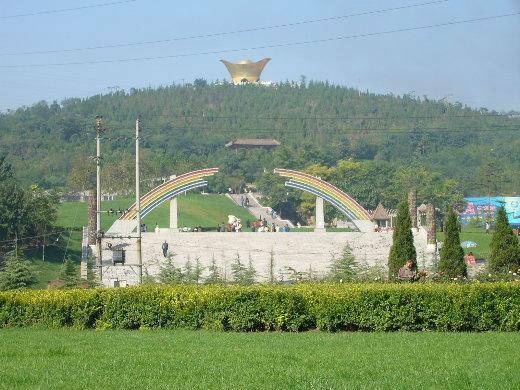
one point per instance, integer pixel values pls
(245, 71)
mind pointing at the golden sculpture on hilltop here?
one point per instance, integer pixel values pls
(246, 71)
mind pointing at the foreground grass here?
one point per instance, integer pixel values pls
(34, 358)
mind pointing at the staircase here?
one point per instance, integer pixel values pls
(259, 211)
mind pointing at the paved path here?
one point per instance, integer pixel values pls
(258, 210)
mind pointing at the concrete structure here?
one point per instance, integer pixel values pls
(299, 251)
(245, 71)
(320, 215)
(174, 215)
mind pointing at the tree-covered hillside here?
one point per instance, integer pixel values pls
(185, 127)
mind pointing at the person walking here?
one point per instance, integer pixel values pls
(165, 248)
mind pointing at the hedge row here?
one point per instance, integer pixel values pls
(331, 307)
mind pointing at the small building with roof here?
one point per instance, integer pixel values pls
(382, 217)
(253, 143)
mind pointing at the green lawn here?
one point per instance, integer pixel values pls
(194, 209)
(477, 235)
(64, 359)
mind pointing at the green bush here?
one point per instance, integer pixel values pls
(331, 307)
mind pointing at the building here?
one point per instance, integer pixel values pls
(245, 71)
(382, 217)
(252, 143)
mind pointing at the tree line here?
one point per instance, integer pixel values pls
(185, 127)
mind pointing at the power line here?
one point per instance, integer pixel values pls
(38, 236)
(210, 116)
(232, 32)
(55, 11)
(389, 130)
(273, 46)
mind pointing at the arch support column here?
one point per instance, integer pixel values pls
(319, 215)
(174, 216)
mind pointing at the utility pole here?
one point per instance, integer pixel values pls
(138, 199)
(99, 130)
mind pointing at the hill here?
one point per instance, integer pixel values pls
(185, 127)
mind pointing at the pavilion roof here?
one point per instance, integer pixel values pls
(253, 142)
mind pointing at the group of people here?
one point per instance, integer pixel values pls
(244, 201)
(262, 226)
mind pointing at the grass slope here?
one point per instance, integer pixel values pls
(194, 209)
(202, 360)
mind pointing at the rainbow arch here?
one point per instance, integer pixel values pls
(332, 194)
(168, 190)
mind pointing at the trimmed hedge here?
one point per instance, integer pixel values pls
(331, 307)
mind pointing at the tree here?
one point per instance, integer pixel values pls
(505, 248)
(250, 272)
(91, 276)
(241, 273)
(169, 273)
(16, 273)
(214, 276)
(402, 248)
(344, 268)
(452, 262)
(68, 273)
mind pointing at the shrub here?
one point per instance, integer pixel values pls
(68, 273)
(452, 262)
(331, 307)
(16, 273)
(214, 276)
(402, 248)
(343, 268)
(505, 248)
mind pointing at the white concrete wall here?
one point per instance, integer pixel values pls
(300, 251)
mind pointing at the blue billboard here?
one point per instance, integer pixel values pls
(481, 208)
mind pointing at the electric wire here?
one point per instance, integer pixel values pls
(232, 32)
(61, 10)
(271, 46)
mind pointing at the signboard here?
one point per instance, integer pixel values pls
(486, 207)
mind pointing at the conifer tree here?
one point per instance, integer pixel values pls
(403, 248)
(214, 276)
(169, 273)
(68, 273)
(505, 248)
(452, 263)
(250, 272)
(91, 277)
(241, 273)
(344, 268)
(196, 272)
(16, 273)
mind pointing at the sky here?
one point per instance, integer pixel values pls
(476, 63)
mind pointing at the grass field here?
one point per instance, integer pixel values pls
(194, 210)
(477, 235)
(62, 359)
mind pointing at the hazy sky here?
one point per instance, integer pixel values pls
(475, 63)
